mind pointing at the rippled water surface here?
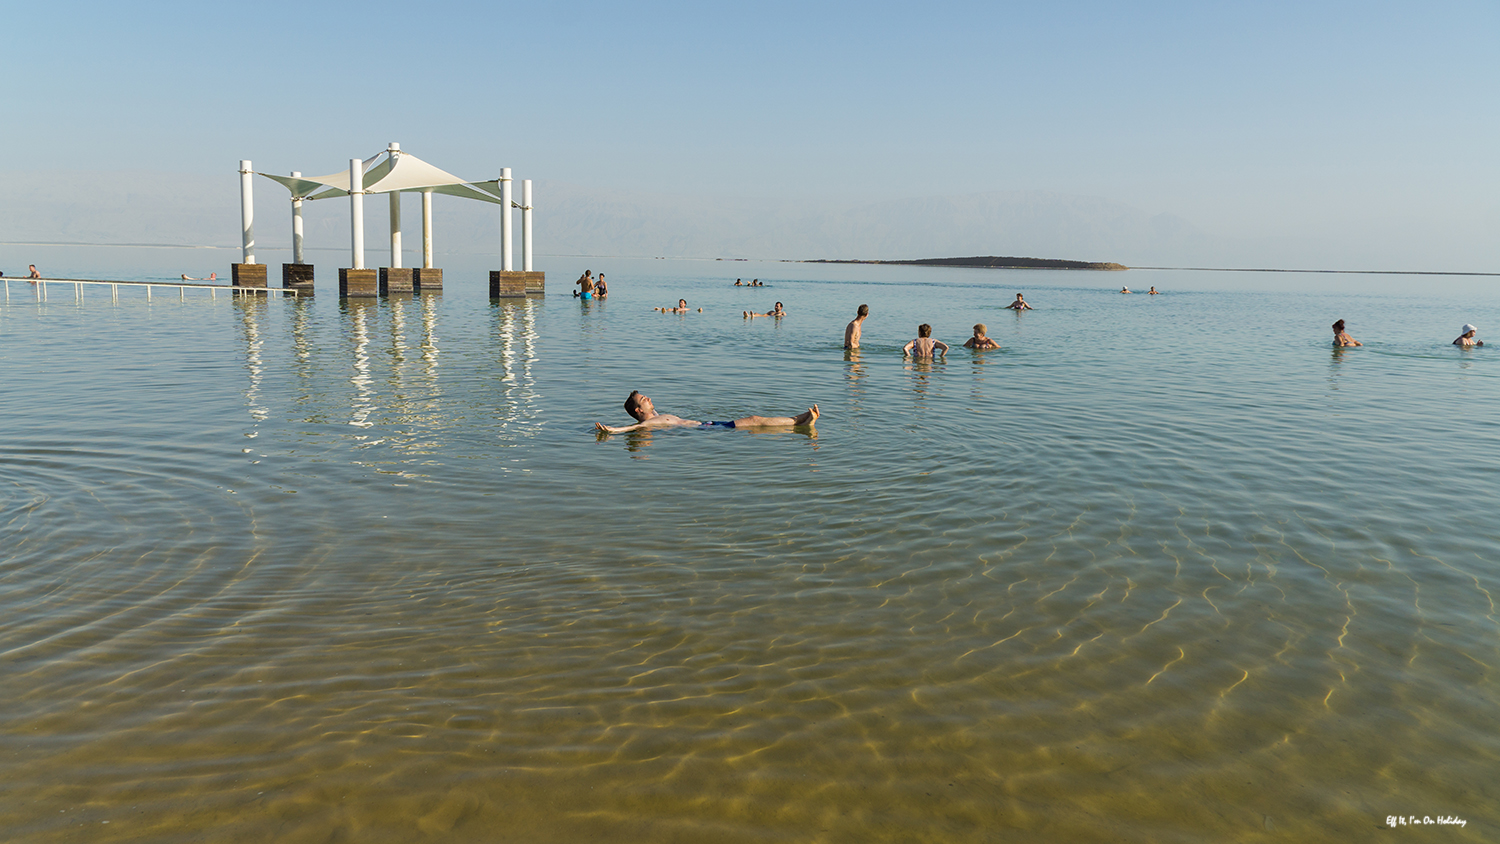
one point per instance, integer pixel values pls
(1160, 569)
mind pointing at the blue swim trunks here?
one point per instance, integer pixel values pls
(718, 424)
(587, 294)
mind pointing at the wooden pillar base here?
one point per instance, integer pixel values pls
(507, 284)
(396, 280)
(247, 275)
(298, 277)
(427, 278)
(358, 283)
(504, 285)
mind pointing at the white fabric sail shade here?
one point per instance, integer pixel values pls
(399, 173)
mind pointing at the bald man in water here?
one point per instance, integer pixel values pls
(646, 417)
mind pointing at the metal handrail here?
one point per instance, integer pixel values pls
(180, 285)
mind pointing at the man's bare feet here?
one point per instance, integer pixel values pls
(809, 417)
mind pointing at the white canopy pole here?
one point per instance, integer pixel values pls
(506, 264)
(296, 224)
(357, 213)
(427, 229)
(395, 197)
(526, 225)
(247, 211)
(394, 149)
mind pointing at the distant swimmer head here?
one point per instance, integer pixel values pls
(924, 330)
(1469, 329)
(1338, 327)
(980, 330)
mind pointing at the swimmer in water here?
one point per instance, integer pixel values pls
(738, 283)
(924, 346)
(1467, 338)
(640, 408)
(980, 341)
(585, 284)
(1124, 289)
(600, 288)
(852, 330)
(1153, 292)
(1020, 304)
(34, 273)
(682, 308)
(1341, 337)
(775, 312)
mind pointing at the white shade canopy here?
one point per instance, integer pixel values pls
(400, 172)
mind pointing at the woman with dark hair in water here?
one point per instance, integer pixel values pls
(1341, 337)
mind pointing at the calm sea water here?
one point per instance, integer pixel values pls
(1161, 569)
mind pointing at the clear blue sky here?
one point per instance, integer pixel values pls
(1339, 118)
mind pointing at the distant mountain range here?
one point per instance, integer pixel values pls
(176, 209)
(996, 262)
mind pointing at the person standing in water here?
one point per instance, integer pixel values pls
(852, 330)
(1019, 304)
(980, 341)
(585, 284)
(1341, 337)
(1467, 338)
(924, 346)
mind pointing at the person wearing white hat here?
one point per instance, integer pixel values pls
(1467, 338)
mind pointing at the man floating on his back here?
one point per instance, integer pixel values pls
(646, 417)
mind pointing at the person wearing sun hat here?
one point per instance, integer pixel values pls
(1467, 338)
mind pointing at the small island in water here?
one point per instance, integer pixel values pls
(993, 262)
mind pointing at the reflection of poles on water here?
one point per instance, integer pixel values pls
(401, 401)
(301, 347)
(251, 310)
(397, 350)
(398, 330)
(364, 402)
(518, 354)
(429, 339)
